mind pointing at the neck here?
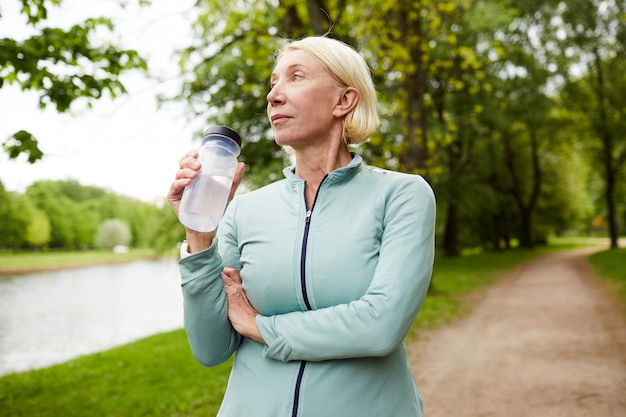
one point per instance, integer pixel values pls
(313, 164)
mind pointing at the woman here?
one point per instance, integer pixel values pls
(313, 280)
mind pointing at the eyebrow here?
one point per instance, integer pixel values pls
(291, 68)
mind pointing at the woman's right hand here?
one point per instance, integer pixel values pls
(190, 169)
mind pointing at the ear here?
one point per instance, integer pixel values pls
(347, 101)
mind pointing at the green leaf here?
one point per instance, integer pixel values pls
(23, 142)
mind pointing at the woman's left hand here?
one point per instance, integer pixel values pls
(241, 314)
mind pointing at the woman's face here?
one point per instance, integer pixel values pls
(303, 95)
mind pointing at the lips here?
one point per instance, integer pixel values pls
(277, 118)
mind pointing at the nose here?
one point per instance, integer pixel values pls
(275, 95)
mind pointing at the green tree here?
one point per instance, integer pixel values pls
(593, 44)
(63, 65)
(469, 95)
(76, 212)
(603, 109)
(228, 66)
(47, 197)
(419, 52)
(38, 229)
(143, 220)
(12, 224)
(73, 224)
(85, 224)
(167, 231)
(458, 89)
(109, 206)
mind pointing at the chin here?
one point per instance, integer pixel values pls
(282, 140)
(286, 145)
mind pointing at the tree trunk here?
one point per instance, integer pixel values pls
(451, 233)
(526, 238)
(317, 15)
(292, 24)
(607, 154)
(525, 208)
(415, 156)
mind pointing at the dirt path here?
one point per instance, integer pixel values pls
(544, 342)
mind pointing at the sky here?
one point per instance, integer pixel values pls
(127, 145)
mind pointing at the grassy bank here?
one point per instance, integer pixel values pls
(158, 376)
(610, 265)
(153, 377)
(27, 262)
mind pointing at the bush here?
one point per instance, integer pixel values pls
(111, 233)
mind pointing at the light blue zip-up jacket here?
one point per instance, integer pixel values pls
(337, 289)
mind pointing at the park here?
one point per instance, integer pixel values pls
(513, 113)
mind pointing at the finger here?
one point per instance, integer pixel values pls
(227, 281)
(232, 275)
(190, 154)
(187, 173)
(177, 188)
(190, 160)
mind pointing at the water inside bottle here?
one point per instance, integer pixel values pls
(205, 210)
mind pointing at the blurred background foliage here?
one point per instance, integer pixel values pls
(512, 110)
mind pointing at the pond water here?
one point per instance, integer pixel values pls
(49, 318)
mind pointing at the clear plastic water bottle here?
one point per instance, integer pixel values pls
(204, 200)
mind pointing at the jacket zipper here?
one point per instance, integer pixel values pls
(305, 239)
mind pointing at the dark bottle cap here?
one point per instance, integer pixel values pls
(224, 131)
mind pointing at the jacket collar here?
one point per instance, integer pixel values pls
(339, 175)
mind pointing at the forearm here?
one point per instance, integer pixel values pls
(374, 325)
(211, 336)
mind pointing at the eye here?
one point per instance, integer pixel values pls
(297, 77)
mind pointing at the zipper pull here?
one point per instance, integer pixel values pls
(308, 216)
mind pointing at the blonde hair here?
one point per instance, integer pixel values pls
(350, 70)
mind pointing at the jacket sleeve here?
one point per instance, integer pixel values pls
(211, 336)
(375, 324)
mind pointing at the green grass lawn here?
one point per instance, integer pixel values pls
(610, 265)
(24, 262)
(158, 376)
